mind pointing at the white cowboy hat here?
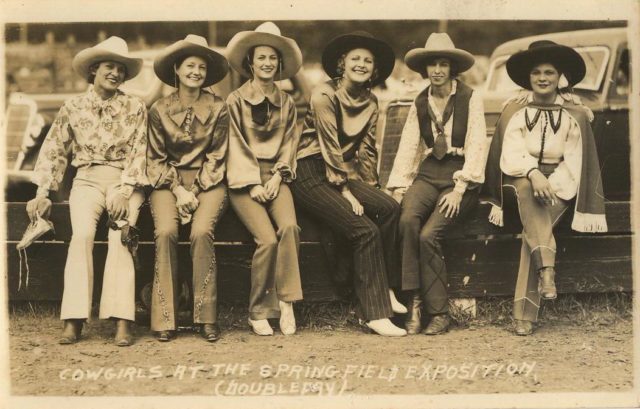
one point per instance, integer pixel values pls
(112, 49)
(265, 34)
(438, 45)
(163, 64)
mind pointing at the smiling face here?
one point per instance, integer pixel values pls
(439, 71)
(265, 63)
(108, 76)
(192, 72)
(359, 65)
(544, 80)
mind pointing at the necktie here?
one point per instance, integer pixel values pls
(440, 146)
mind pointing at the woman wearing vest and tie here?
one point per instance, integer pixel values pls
(445, 123)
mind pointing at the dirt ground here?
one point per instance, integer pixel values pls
(567, 353)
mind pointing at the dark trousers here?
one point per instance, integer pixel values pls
(372, 236)
(422, 227)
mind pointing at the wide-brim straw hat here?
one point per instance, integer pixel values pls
(265, 34)
(565, 59)
(112, 49)
(384, 56)
(192, 45)
(438, 45)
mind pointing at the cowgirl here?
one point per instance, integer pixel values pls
(186, 163)
(105, 132)
(544, 150)
(445, 122)
(338, 135)
(261, 164)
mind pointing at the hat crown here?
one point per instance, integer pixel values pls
(439, 42)
(542, 44)
(269, 28)
(114, 44)
(197, 40)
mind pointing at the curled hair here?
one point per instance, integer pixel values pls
(93, 68)
(340, 68)
(248, 60)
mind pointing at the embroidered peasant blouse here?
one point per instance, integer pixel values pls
(351, 138)
(412, 148)
(95, 131)
(521, 148)
(261, 127)
(190, 136)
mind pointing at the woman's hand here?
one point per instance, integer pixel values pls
(542, 188)
(117, 206)
(355, 204)
(272, 187)
(38, 206)
(186, 201)
(259, 194)
(450, 204)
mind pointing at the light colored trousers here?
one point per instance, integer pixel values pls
(87, 202)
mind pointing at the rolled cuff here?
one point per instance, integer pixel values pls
(126, 190)
(288, 175)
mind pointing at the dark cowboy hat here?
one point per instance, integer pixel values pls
(382, 52)
(565, 59)
(192, 45)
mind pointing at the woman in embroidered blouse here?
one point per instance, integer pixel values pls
(445, 123)
(260, 165)
(186, 164)
(544, 150)
(105, 132)
(337, 180)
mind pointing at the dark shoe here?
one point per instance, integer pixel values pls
(71, 332)
(546, 284)
(123, 338)
(524, 327)
(165, 336)
(413, 324)
(210, 332)
(439, 325)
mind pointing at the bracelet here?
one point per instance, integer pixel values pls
(531, 170)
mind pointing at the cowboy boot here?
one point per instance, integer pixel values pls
(439, 324)
(413, 323)
(546, 283)
(210, 332)
(123, 337)
(523, 327)
(71, 332)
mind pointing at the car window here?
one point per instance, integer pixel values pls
(595, 59)
(623, 78)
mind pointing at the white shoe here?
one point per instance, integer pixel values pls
(396, 305)
(287, 318)
(261, 327)
(385, 328)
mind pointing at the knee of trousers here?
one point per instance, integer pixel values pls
(429, 238)
(364, 233)
(408, 223)
(289, 229)
(83, 237)
(169, 234)
(199, 234)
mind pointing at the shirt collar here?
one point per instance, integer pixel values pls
(558, 101)
(111, 106)
(454, 87)
(250, 93)
(178, 111)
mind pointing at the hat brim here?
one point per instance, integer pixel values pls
(385, 58)
(243, 41)
(83, 61)
(567, 60)
(417, 58)
(163, 65)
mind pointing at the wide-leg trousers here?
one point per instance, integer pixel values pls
(538, 245)
(373, 236)
(164, 297)
(275, 271)
(87, 202)
(422, 226)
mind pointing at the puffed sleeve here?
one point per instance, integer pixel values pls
(134, 170)
(566, 177)
(285, 158)
(213, 168)
(476, 147)
(159, 171)
(242, 166)
(327, 131)
(408, 156)
(516, 160)
(368, 154)
(53, 158)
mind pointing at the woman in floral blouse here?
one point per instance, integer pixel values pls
(260, 166)
(105, 132)
(185, 164)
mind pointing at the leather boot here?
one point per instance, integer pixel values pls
(413, 323)
(210, 332)
(123, 337)
(439, 324)
(71, 332)
(523, 327)
(547, 284)
(165, 336)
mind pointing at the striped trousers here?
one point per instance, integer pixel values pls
(372, 236)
